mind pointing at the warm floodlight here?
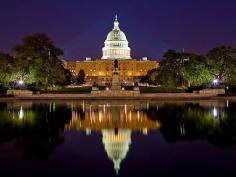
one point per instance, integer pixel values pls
(21, 113)
(215, 81)
(20, 82)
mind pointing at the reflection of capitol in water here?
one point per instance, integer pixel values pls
(37, 127)
(116, 122)
(116, 145)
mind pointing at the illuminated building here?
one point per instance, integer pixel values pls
(115, 48)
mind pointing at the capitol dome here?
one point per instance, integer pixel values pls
(116, 35)
(116, 44)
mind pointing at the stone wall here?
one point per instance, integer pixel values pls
(19, 92)
(212, 91)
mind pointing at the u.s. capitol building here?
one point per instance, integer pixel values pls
(116, 48)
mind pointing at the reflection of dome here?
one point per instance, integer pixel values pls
(116, 44)
(116, 145)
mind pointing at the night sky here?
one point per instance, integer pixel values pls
(79, 27)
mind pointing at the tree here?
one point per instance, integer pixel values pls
(152, 74)
(170, 72)
(222, 63)
(196, 72)
(6, 62)
(37, 46)
(68, 77)
(150, 77)
(81, 77)
(38, 57)
(144, 79)
(183, 69)
(171, 55)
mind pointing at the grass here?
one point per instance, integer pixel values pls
(79, 90)
(160, 90)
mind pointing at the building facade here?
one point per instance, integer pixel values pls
(115, 48)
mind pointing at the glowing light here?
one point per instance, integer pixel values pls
(90, 111)
(138, 115)
(50, 107)
(145, 131)
(215, 112)
(53, 107)
(100, 116)
(83, 105)
(215, 81)
(125, 109)
(20, 82)
(88, 131)
(21, 113)
(182, 129)
(107, 88)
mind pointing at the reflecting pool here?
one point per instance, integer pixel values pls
(118, 138)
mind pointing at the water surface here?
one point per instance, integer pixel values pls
(118, 138)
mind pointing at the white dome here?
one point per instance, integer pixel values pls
(116, 35)
(116, 44)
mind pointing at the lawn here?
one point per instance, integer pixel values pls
(160, 90)
(78, 90)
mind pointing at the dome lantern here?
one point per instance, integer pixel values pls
(116, 23)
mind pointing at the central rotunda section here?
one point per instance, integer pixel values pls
(116, 44)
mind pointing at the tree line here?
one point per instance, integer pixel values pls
(178, 69)
(35, 62)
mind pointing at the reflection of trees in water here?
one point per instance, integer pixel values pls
(190, 121)
(38, 131)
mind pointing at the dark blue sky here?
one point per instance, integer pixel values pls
(80, 27)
